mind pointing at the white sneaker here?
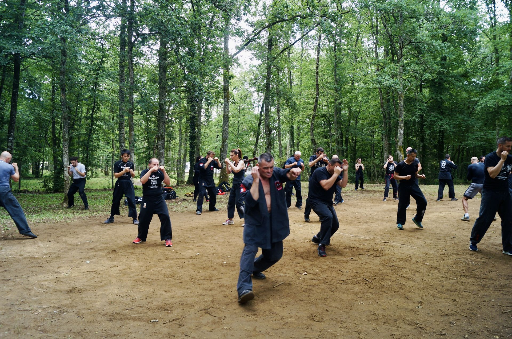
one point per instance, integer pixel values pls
(228, 222)
(465, 217)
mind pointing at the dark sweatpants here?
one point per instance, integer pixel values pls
(392, 181)
(442, 184)
(405, 192)
(298, 193)
(147, 209)
(328, 219)
(491, 203)
(204, 192)
(77, 185)
(235, 200)
(124, 187)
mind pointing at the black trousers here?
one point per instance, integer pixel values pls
(298, 192)
(390, 180)
(328, 219)
(359, 178)
(124, 187)
(77, 185)
(204, 192)
(147, 209)
(235, 200)
(451, 191)
(405, 192)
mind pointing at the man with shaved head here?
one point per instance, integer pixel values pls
(7, 200)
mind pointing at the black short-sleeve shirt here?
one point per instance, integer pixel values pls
(316, 192)
(499, 183)
(403, 169)
(390, 167)
(153, 187)
(119, 166)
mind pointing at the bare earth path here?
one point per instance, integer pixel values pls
(83, 279)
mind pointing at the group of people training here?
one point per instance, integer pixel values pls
(263, 197)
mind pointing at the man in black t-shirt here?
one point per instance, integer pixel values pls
(123, 171)
(407, 173)
(317, 160)
(207, 165)
(153, 202)
(322, 186)
(495, 197)
(445, 177)
(389, 166)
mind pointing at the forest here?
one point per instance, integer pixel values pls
(173, 79)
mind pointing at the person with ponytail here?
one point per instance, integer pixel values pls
(235, 165)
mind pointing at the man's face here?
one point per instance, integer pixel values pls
(390, 159)
(154, 163)
(319, 154)
(505, 147)
(411, 157)
(330, 168)
(125, 157)
(74, 163)
(297, 157)
(266, 169)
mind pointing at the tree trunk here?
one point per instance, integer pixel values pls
(18, 23)
(195, 104)
(225, 109)
(162, 98)
(64, 106)
(317, 94)
(266, 97)
(122, 75)
(258, 130)
(131, 85)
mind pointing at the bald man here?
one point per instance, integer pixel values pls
(7, 199)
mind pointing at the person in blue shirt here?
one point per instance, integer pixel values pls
(266, 222)
(445, 178)
(495, 197)
(476, 175)
(294, 162)
(7, 199)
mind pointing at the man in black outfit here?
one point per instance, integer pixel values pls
(407, 173)
(322, 186)
(206, 182)
(445, 177)
(317, 160)
(123, 171)
(153, 202)
(389, 166)
(495, 197)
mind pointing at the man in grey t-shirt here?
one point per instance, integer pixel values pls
(7, 199)
(77, 171)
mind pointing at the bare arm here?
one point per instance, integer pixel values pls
(327, 184)
(293, 173)
(16, 176)
(146, 176)
(494, 171)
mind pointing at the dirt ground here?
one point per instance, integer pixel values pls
(83, 279)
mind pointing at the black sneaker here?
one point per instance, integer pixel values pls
(30, 235)
(306, 219)
(258, 275)
(109, 220)
(135, 221)
(245, 296)
(315, 239)
(454, 199)
(321, 250)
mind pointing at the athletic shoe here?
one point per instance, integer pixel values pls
(109, 221)
(245, 296)
(258, 275)
(137, 240)
(321, 250)
(243, 225)
(472, 247)
(86, 208)
(306, 219)
(168, 243)
(228, 222)
(454, 199)
(438, 199)
(395, 198)
(399, 226)
(198, 212)
(215, 209)
(465, 218)
(384, 199)
(299, 207)
(135, 222)
(507, 252)
(417, 223)
(407, 207)
(315, 239)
